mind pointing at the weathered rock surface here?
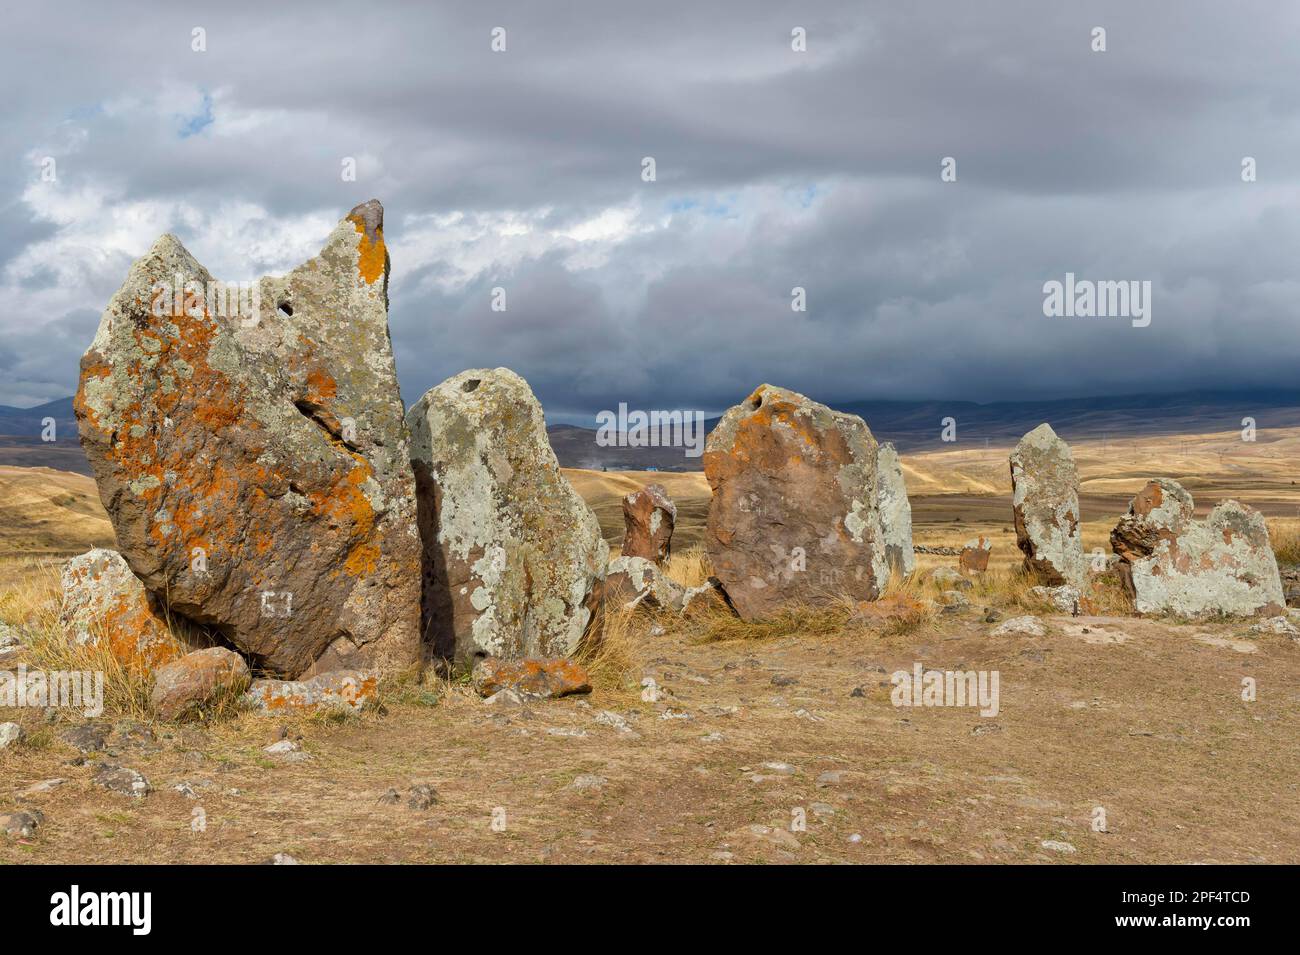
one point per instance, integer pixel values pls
(1170, 562)
(21, 825)
(513, 558)
(631, 581)
(122, 780)
(348, 689)
(1045, 504)
(974, 556)
(649, 516)
(794, 514)
(895, 512)
(103, 602)
(1027, 625)
(252, 456)
(1062, 598)
(10, 735)
(538, 678)
(195, 679)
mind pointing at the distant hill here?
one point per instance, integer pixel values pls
(911, 425)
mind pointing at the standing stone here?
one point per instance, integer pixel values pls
(895, 512)
(649, 516)
(105, 604)
(252, 456)
(1172, 563)
(794, 512)
(514, 561)
(974, 556)
(1045, 502)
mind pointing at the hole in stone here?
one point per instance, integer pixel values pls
(471, 385)
(285, 309)
(757, 402)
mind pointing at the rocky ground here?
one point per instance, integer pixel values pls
(1142, 718)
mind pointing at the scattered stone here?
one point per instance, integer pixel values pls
(421, 797)
(41, 788)
(947, 578)
(955, 600)
(504, 698)
(831, 777)
(1278, 625)
(589, 781)
(535, 678)
(1045, 505)
(991, 615)
(196, 679)
(783, 679)
(252, 456)
(983, 729)
(887, 611)
(11, 734)
(895, 512)
(649, 516)
(1063, 598)
(631, 581)
(21, 825)
(121, 779)
(821, 810)
(974, 556)
(342, 689)
(1054, 846)
(390, 797)
(105, 603)
(1030, 626)
(1172, 563)
(87, 737)
(513, 557)
(794, 514)
(714, 737)
(282, 858)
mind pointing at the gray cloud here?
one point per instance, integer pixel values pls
(775, 169)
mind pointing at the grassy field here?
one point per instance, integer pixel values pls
(752, 731)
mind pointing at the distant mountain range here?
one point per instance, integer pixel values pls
(911, 425)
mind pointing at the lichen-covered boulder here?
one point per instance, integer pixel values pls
(534, 677)
(337, 689)
(794, 513)
(197, 678)
(895, 512)
(251, 452)
(649, 516)
(514, 560)
(1045, 506)
(1170, 562)
(105, 604)
(631, 581)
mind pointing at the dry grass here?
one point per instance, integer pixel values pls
(1285, 537)
(615, 662)
(689, 567)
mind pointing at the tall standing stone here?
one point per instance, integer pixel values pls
(895, 513)
(514, 560)
(649, 516)
(1045, 505)
(1172, 563)
(794, 511)
(250, 450)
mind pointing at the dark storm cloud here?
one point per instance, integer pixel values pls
(776, 169)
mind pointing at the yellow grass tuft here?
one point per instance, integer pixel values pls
(616, 661)
(1285, 537)
(689, 567)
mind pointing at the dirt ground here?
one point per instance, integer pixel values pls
(1143, 719)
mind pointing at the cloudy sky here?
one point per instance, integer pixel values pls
(775, 168)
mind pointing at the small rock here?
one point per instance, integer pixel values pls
(536, 677)
(782, 679)
(1063, 597)
(88, 737)
(11, 734)
(421, 796)
(831, 777)
(1055, 846)
(1030, 626)
(390, 797)
(1278, 625)
(282, 858)
(44, 786)
(196, 679)
(20, 825)
(121, 779)
(341, 689)
(589, 781)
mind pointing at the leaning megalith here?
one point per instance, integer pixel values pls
(514, 560)
(794, 511)
(1170, 562)
(895, 512)
(249, 446)
(649, 516)
(1045, 506)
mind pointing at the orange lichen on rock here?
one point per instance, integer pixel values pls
(533, 677)
(372, 253)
